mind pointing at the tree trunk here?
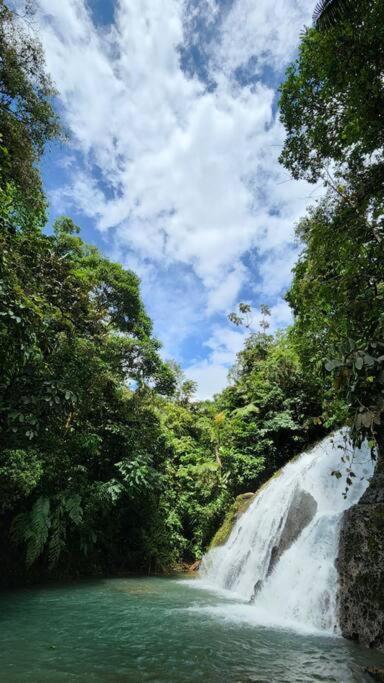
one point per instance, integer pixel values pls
(217, 455)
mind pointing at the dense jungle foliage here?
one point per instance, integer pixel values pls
(107, 463)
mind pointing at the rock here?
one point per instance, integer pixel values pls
(301, 512)
(235, 571)
(360, 566)
(195, 566)
(376, 674)
(303, 509)
(256, 589)
(238, 507)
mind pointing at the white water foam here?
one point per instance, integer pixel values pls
(294, 587)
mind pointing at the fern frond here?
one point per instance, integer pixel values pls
(47, 520)
(68, 509)
(72, 506)
(32, 528)
(56, 540)
(40, 523)
(19, 527)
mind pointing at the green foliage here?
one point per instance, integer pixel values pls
(329, 12)
(46, 524)
(332, 99)
(75, 441)
(27, 119)
(195, 485)
(107, 463)
(337, 296)
(32, 528)
(332, 103)
(271, 407)
(20, 473)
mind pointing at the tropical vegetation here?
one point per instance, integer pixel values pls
(107, 462)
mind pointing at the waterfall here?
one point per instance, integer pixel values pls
(280, 556)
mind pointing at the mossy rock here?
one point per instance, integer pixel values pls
(238, 507)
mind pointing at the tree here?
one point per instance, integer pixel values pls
(71, 429)
(185, 388)
(332, 100)
(82, 450)
(27, 119)
(332, 108)
(337, 297)
(328, 12)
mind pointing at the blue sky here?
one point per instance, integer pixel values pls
(171, 167)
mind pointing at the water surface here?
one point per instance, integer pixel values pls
(159, 630)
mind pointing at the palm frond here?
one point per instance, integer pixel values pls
(329, 12)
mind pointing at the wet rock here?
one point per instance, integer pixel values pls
(360, 566)
(236, 571)
(257, 588)
(238, 507)
(376, 674)
(301, 512)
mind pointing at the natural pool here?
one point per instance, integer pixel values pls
(158, 629)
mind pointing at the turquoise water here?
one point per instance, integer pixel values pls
(163, 630)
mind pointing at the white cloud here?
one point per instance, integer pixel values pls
(211, 373)
(188, 179)
(264, 30)
(211, 378)
(276, 270)
(225, 342)
(281, 316)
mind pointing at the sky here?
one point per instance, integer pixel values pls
(171, 168)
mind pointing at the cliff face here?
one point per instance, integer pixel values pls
(361, 565)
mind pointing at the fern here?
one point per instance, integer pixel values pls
(58, 534)
(32, 528)
(72, 506)
(48, 519)
(57, 539)
(68, 509)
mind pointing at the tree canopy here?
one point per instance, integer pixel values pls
(27, 118)
(108, 463)
(332, 108)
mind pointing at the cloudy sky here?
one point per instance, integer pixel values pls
(172, 168)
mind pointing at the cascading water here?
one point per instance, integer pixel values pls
(280, 556)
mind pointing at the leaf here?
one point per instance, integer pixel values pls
(367, 419)
(333, 364)
(246, 410)
(32, 528)
(359, 363)
(72, 506)
(56, 541)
